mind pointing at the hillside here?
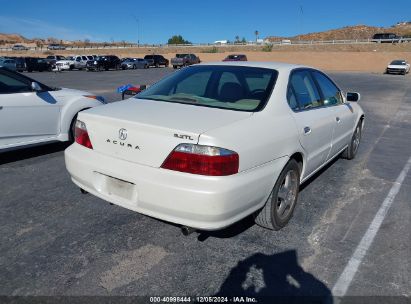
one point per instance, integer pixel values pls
(12, 38)
(350, 32)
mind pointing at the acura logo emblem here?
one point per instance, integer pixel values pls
(122, 134)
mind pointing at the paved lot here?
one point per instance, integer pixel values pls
(56, 241)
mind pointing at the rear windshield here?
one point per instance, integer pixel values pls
(181, 55)
(225, 87)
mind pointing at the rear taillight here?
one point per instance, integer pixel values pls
(203, 160)
(81, 135)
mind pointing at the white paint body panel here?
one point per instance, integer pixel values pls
(264, 141)
(37, 117)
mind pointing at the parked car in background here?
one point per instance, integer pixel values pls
(135, 63)
(52, 59)
(104, 63)
(157, 60)
(8, 63)
(34, 113)
(386, 38)
(36, 64)
(236, 57)
(73, 62)
(56, 46)
(194, 150)
(20, 64)
(19, 47)
(182, 60)
(66, 64)
(398, 67)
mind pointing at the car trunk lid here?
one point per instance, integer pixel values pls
(146, 131)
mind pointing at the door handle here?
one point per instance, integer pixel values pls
(337, 119)
(307, 130)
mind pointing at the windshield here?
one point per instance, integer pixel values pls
(226, 87)
(398, 62)
(181, 55)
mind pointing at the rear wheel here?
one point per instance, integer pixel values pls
(72, 129)
(157, 65)
(351, 150)
(280, 205)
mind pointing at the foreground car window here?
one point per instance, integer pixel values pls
(331, 93)
(226, 87)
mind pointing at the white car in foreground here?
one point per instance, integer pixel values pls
(398, 67)
(213, 143)
(33, 113)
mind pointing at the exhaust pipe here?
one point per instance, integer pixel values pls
(83, 191)
(187, 230)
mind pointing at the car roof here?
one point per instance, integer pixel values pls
(279, 66)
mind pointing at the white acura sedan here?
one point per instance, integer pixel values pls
(33, 113)
(213, 143)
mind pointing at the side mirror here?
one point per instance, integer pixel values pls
(36, 87)
(354, 97)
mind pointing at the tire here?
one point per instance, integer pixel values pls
(157, 65)
(351, 151)
(72, 129)
(134, 67)
(174, 67)
(280, 205)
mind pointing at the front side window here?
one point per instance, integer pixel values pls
(10, 85)
(304, 90)
(226, 87)
(331, 94)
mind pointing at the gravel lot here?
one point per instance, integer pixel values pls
(56, 241)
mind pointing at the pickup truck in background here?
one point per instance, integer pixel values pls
(182, 60)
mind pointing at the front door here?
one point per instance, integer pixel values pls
(314, 122)
(25, 116)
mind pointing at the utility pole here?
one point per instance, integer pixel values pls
(301, 21)
(138, 30)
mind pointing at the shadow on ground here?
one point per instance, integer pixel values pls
(274, 278)
(31, 152)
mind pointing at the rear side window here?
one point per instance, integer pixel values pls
(331, 94)
(304, 91)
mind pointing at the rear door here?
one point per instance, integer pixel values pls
(25, 116)
(343, 114)
(314, 121)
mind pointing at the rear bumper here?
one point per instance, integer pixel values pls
(202, 202)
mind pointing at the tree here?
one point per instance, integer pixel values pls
(256, 33)
(237, 39)
(178, 39)
(243, 40)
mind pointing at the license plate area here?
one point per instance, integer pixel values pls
(112, 186)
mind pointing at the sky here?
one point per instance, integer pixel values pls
(197, 21)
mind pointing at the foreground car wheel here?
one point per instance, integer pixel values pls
(351, 150)
(280, 205)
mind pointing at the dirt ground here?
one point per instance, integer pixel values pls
(361, 57)
(331, 61)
